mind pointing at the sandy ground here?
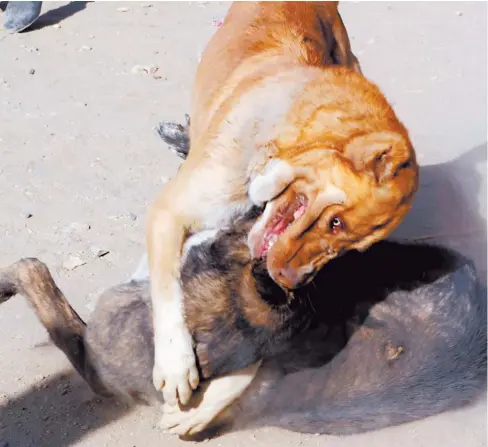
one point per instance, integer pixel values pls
(80, 161)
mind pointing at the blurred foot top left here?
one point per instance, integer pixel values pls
(20, 15)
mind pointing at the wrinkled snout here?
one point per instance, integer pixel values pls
(292, 264)
(289, 277)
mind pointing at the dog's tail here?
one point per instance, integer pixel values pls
(419, 353)
(176, 136)
(31, 278)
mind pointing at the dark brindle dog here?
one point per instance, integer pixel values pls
(413, 318)
(387, 336)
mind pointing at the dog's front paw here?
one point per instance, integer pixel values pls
(186, 422)
(175, 371)
(270, 183)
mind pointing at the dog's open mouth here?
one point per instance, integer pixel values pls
(281, 221)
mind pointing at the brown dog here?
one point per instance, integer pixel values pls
(401, 338)
(281, 117)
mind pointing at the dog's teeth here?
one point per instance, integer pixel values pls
(272, 240)
(299, 212)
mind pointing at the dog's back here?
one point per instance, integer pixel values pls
(418, 353)
(257, 35)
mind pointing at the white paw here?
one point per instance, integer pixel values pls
(216, 394)
(175, 371)
(276, 176)
(183, 423)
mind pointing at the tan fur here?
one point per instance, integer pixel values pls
(267, 89)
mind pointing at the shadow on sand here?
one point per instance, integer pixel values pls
(58, 411)
(55, 16)
(450, 207)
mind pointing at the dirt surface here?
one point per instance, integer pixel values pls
(80, 161)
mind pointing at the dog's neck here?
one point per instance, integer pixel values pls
(250, 129)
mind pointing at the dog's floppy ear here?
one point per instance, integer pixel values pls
(335, 34)
(382, 154)
(341, 52)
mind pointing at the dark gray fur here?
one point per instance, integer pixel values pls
(442, 328)
(423, 299)
(441, 325)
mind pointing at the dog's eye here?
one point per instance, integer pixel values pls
(336, 225)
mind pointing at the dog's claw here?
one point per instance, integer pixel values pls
(176, 387)
(175, 372)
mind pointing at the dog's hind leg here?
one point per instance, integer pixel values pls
(31, 278)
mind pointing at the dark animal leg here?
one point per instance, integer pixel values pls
(31, 278)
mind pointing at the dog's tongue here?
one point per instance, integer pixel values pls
(280, 227)
(279, 224)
